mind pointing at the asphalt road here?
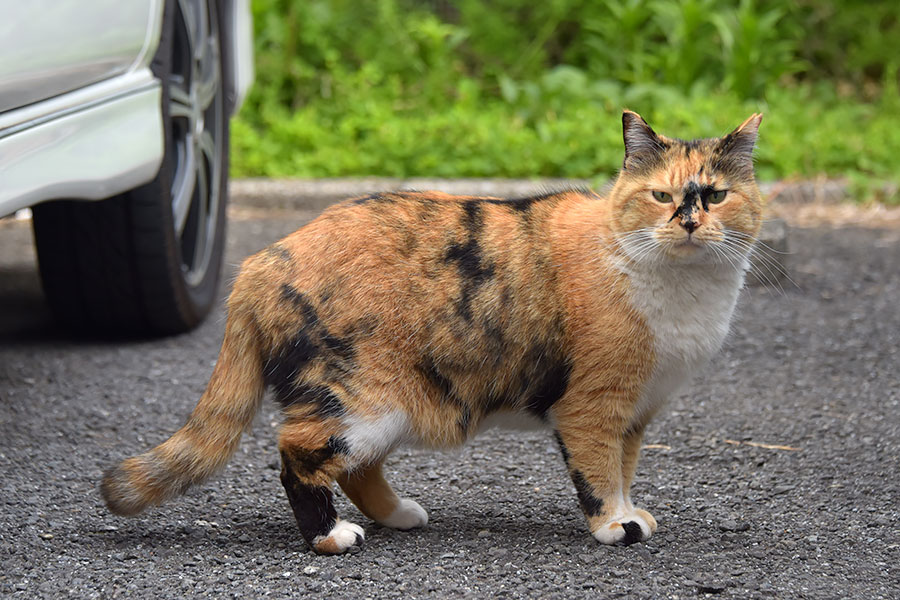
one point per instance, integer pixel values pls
(776, 475)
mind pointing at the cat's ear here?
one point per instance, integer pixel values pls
(641, 142)
(742, 140)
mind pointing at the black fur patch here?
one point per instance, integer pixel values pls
(279, 252)
(493, 332)
(302, 303)
(562, 448)
(689, 145)
(634, 429)
(496, 402)
(313, 341)
(541, 377)
(340, 346)
(633, 533)
(734, 156)
(307, 462)
(688, 208)
(338, 445)
(436, 378)
(439, 381)
(590, 504)
(544, 377)
(281, 370)
(644, 149)
(700, 191)
(465, 419)
(525, 204)
(550, 387)
(376, 197)
(691, 193)
(327, 403)
(469, 260)
(313, 506)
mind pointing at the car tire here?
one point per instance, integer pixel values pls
(147, 262)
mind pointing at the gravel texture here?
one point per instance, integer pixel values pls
(776, 475)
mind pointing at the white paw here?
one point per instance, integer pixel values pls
(342, 536)
(407, 515)
(635, 526)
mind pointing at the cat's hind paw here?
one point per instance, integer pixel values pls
(342, 537)
(408, 515)
(636, 526)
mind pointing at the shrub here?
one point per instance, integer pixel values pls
(517, 88)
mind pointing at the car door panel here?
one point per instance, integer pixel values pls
(49, 47)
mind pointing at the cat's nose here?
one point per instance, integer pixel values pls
(690, 225)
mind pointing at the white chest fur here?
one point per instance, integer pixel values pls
(688, 309)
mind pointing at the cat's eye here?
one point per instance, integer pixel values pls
(716, 197)
(664, 197)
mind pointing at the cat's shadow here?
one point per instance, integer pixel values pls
(260, 532)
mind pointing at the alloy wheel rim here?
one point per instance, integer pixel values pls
(196, 113)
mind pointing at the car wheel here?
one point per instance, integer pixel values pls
(148, 261)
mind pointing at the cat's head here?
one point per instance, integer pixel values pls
(686, 201)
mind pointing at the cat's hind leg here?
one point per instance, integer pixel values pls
(316, 449)
(369, 491)
(307, 473)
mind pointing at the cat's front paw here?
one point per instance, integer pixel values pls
(634, 526)
(408, 515)
(343, 536)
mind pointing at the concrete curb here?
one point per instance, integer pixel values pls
(317, 194)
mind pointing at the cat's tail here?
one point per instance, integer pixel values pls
(208, 439)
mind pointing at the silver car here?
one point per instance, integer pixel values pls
(114, 129)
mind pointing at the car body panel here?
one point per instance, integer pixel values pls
(49, 47)
(239, 24)
(103, 136)
(95, 152)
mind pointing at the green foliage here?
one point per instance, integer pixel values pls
(516, 88)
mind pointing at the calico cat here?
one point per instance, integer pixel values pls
(421, 318)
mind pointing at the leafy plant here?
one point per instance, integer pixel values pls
(516, 88)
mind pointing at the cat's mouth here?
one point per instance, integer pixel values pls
(689, 242)
(689, 247)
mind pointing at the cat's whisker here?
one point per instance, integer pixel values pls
(765, 264)
(646, 251)
(766, 270)
(774, 270)
(764, 258)
(641, 232)
(640, 245)
(766, 281)
(720, 253)
(756, 241)
(630, 247)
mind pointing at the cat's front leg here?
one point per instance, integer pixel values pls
(598, 449)
(631, 450)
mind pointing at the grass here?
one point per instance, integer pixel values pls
(807, 132)
(513, 88)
